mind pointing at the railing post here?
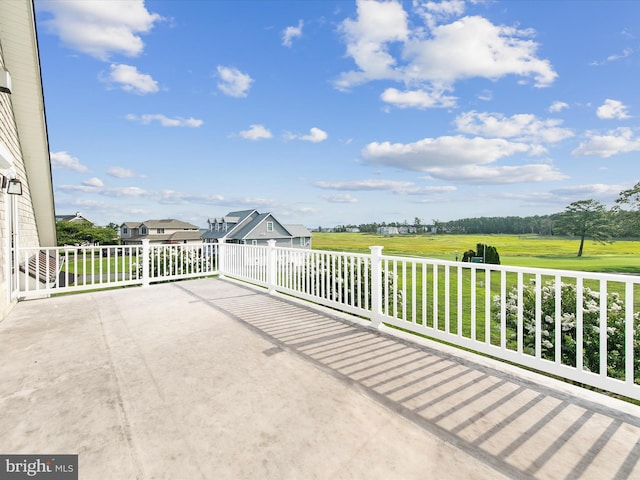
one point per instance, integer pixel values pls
(376, 286)
(272, 266)
(145, 263)
(221, 247)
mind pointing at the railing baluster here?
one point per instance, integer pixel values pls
(603, 328)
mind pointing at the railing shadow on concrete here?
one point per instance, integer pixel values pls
(579, 326)
(522, 429)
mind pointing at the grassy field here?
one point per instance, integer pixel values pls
(621, 256)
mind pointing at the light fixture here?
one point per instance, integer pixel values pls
(5, 81)
(15, 187)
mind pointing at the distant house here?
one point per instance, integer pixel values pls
(249, 227)
(387, 231)
(77, 218)
(408, 229)
(166, 231)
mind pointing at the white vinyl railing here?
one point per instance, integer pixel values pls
(52, 270)
(577, 325)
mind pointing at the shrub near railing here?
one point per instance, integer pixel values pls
(179, 261)
(346, 278)
(590, 336)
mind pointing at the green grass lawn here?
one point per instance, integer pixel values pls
(98, 264)
(621, 256)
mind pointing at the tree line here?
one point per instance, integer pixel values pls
(582, 219)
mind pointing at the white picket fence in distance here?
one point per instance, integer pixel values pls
(576, 325)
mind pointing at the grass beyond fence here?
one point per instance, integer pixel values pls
(621, 256)
(90, 265)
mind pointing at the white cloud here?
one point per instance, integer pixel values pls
(367, 38)
(523, 127)
(315, 135)
(233, 82)
(612, 109)
(420, 99)
(394, 186)
(100, 28)
(446, 151)
(256, 132)
(626, 52)
(64, 160)
(485, 95)
(340, 198)
(78, 188)
(497, 175)
(382, 45)
(558, 106)
(363, 185)
(588, 191)
(93, 182)
(615, 142)
(120, 172)
(131, 80)
(435, 12)
(126, 192)
(165, 121)
(474, 47)
(290, 33)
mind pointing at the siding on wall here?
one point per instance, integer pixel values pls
(26, 223)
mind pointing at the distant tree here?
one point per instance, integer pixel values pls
(72, 233)
(468, 255)
(488, 253)
(585, 218)
(630, 197)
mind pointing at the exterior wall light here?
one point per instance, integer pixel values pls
(15, 187)
(5, 81)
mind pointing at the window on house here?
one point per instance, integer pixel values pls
(159, 230)
(254, 242)
(125, 231)
(143, 231)
(269, 226)
(302, 242)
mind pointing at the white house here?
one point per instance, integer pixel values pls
(387, 231)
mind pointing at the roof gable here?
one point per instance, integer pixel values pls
(169, 223)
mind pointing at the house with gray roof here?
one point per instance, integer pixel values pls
(165, 231)
(77, 218)
(249, 227)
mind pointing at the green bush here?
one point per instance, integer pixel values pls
(488, 253)
(591, 326)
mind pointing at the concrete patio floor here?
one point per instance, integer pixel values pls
(211, 379)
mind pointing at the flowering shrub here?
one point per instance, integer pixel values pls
(337, 288)
(568, 335)
(172, 261)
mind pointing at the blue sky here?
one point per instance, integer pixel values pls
(339, 112)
